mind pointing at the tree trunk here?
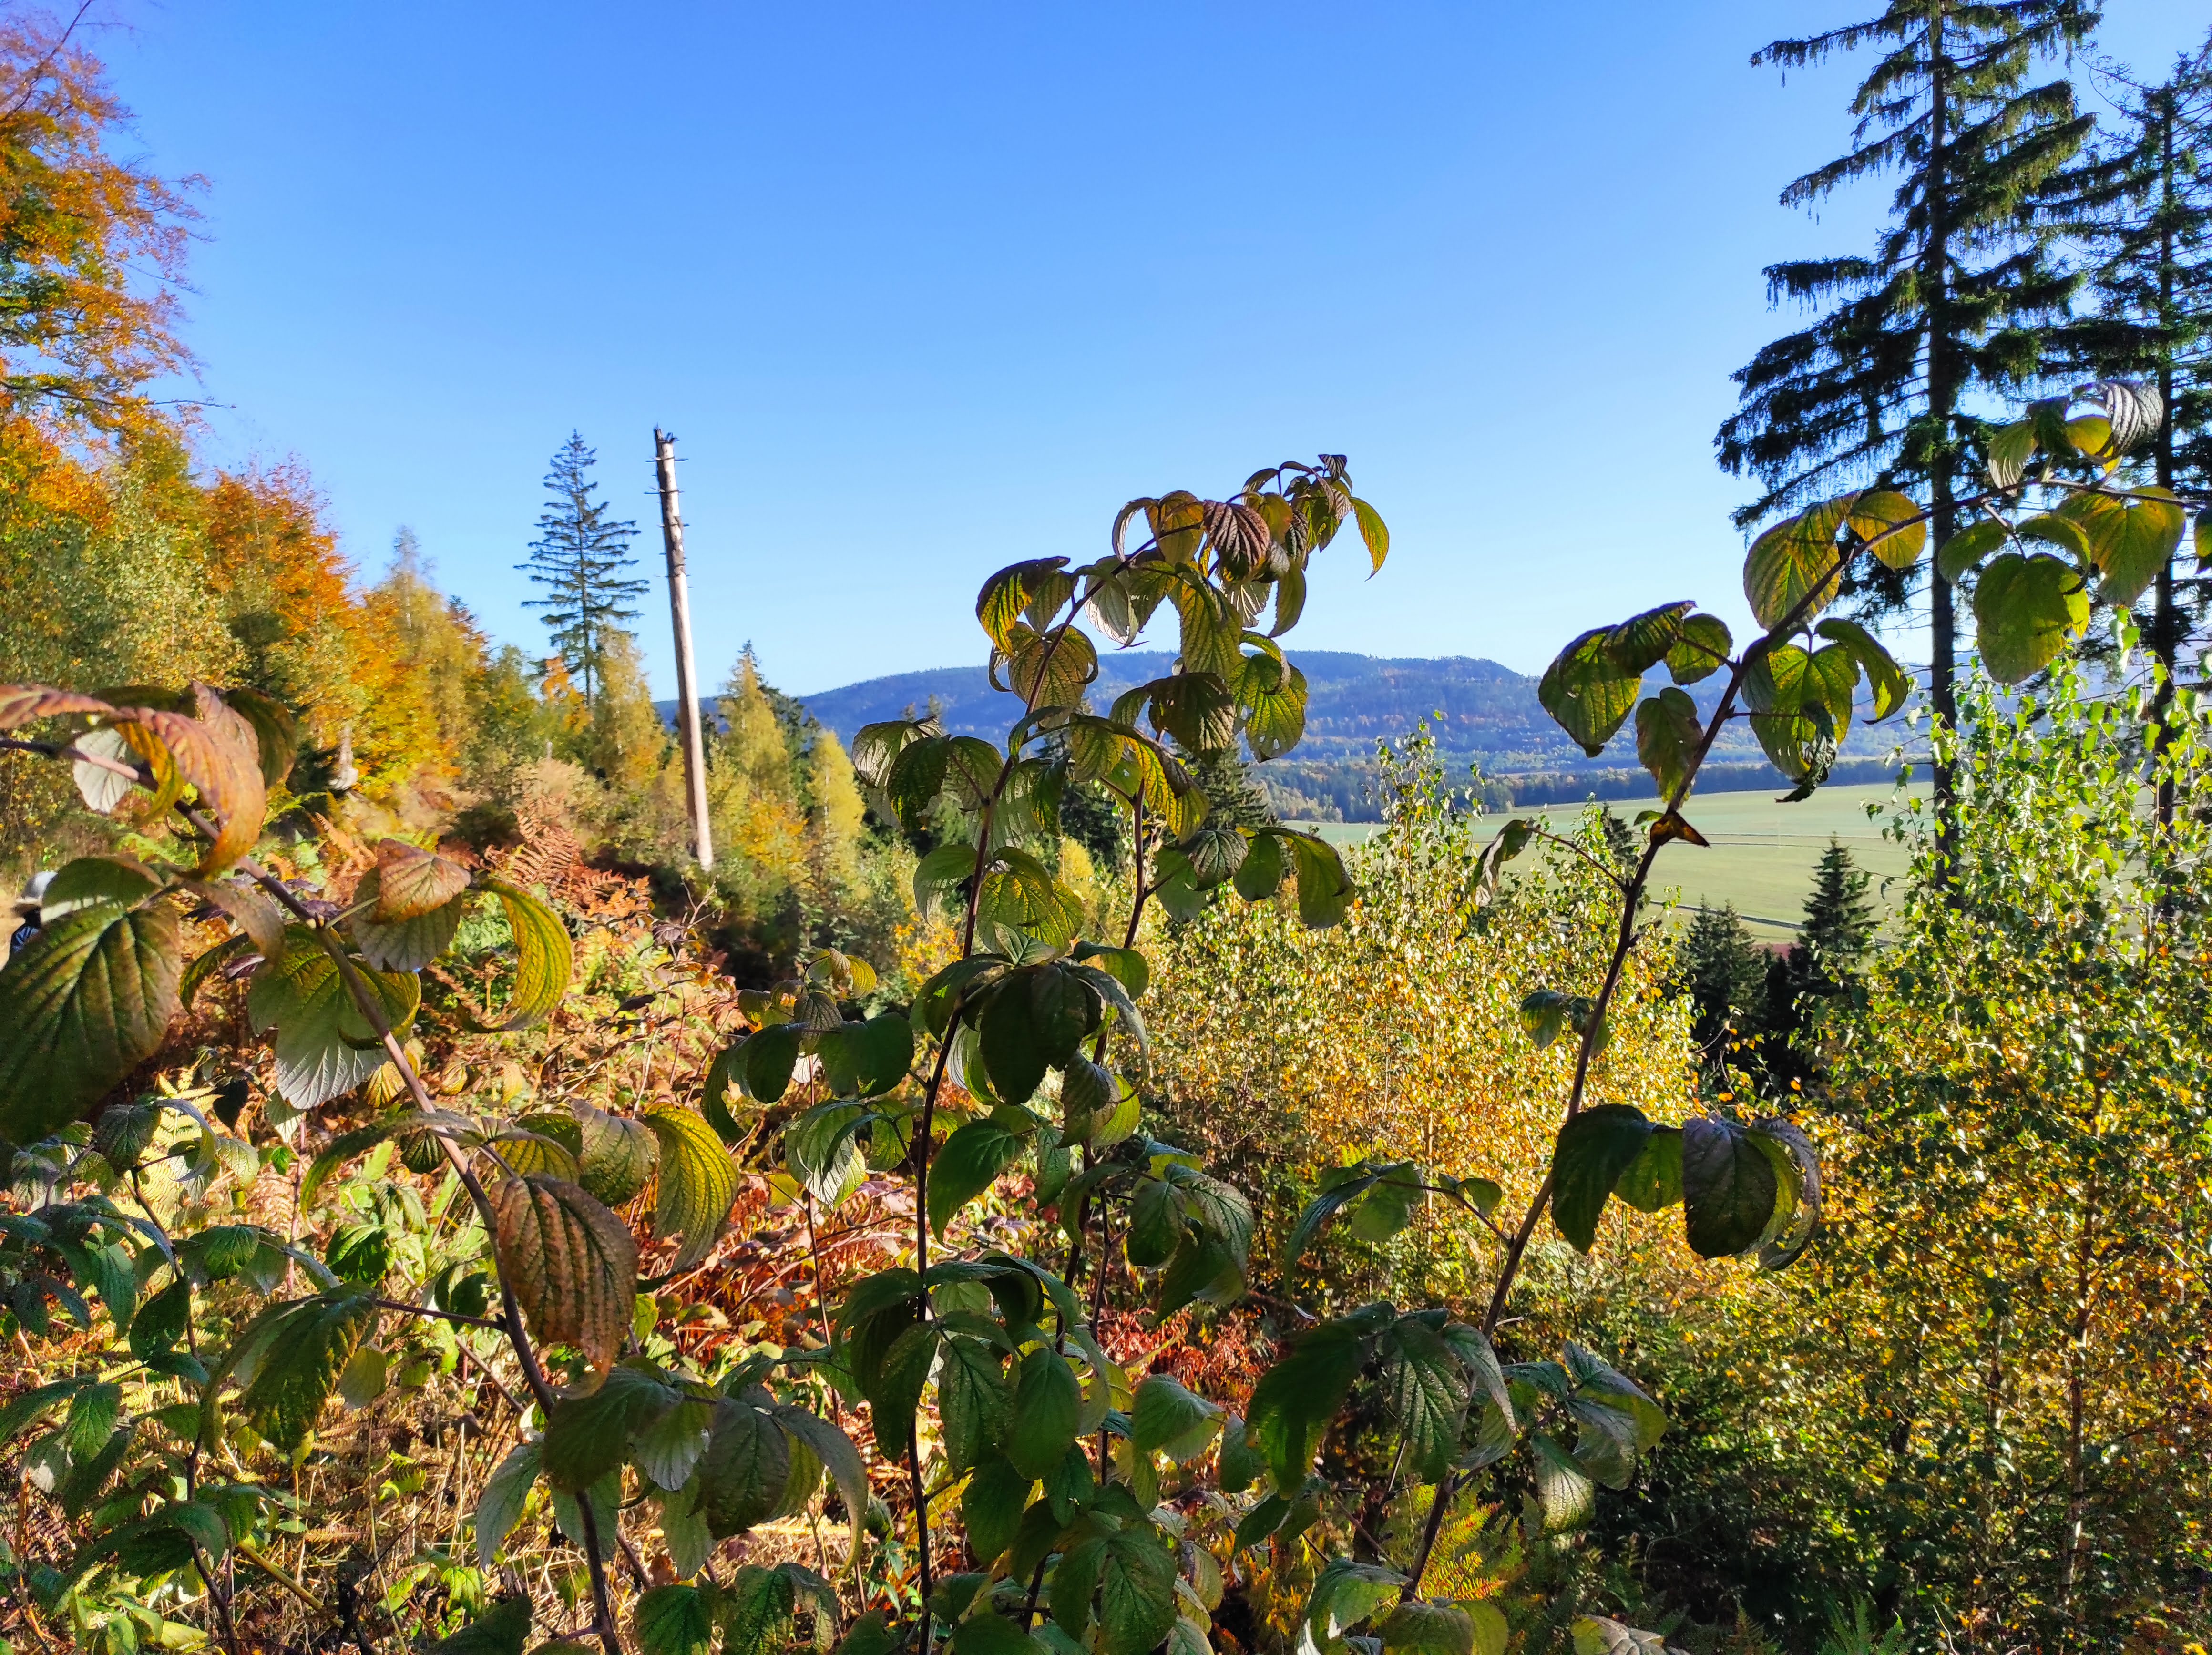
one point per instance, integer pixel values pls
(1943, 373)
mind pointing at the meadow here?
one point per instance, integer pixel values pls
(1762, 853)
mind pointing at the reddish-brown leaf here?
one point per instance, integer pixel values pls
(571, 1262)
(412, 881)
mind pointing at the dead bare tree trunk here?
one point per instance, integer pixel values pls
(687, 689)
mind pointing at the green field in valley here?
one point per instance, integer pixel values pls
(1762, 853)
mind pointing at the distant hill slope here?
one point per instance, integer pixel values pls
(1482, 712)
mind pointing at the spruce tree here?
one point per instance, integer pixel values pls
(2141, 202)
(1949, 301)
(580, 558)
(1724, 971)
(1839, 920)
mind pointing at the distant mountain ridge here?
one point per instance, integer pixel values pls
(1480, 712)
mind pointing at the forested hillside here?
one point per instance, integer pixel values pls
(1480, 713)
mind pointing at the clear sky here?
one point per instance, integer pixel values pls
(926, 287)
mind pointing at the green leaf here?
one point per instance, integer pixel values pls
(756, 1610)
(1565, 1492)
(1296, 1399)
(587, 1436)
(1702, 651)
(1885, 680)
(1046, 1413)
(1668, 732)
(838, 1456)
(766, 1061)
(1654, 1178)
(1372, 532)
(324, 1045)
(303, 1346)
(1427, 1391)
(867, 1059)
(1009, 593)
(986, 1633)
(1789, 714)
(1794, 570)
(1033, 1021)
(543, 957)
(1136, 1590)
(744, 1471)
(972, 1158)
(1345, 1593)
(83, 1003)
(1586, 693)
(498, 1508)
(1324, 888)
(1594, 1149)
(571, 1264)
(1273, 698)
(666, 1448)
(1387, 1206)
(698, 1185)
(991, 1509)
(1891, 524)
(1642, 641)
(91, 881)
(940, 879)
(1968, 547)
(407, 942)
(615, 1156)
(972, 1400)
(2009, 448)
(1430, 1629)
(1728, 1187)
(2128, 539)
(2025, 610)
(1165, 1418)
(502, 1629)
(1261, 873)
(1052, 668)
(674, 1620)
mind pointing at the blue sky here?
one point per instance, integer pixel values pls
(925, 288)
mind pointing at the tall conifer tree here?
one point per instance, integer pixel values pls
(2142, 201)
(580, 558)
(1878, 389)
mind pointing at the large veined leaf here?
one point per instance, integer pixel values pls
(1885, 680)
(1430, 1629)
(2129, 539)
(1643, 641)
(21, 703)
(865, 1059)
(1587, 693)
(1701, 650)
(303, 1348)
(586, 1436)
(971, 1399)
(1052, 668)
(615, 1155)
(91, 880)
(1033, 1021)
(837, 1454)
(1136, 1588)
(1666, 735)
(1795, 569)
(1426, 1391)
(218, 764)
(747, 1464)
(1295, 1400)
(972, 1158)
(1165, 1418)
(1345, 1593)
(83, 1003)
(1324, 887)
(1274, 696)
(1008, 594)
(1893, 525)
(502, 1629)
(545, 958)
(698, 1185)
(324, 1045)
(2026, 609)
(1047, 1412)
(1728, 1187)
(571, 1264)
(498, 1508)
(1594, 1149)
(674, 1620)
(1565, 1491)
(412, 881)
(406, 942)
